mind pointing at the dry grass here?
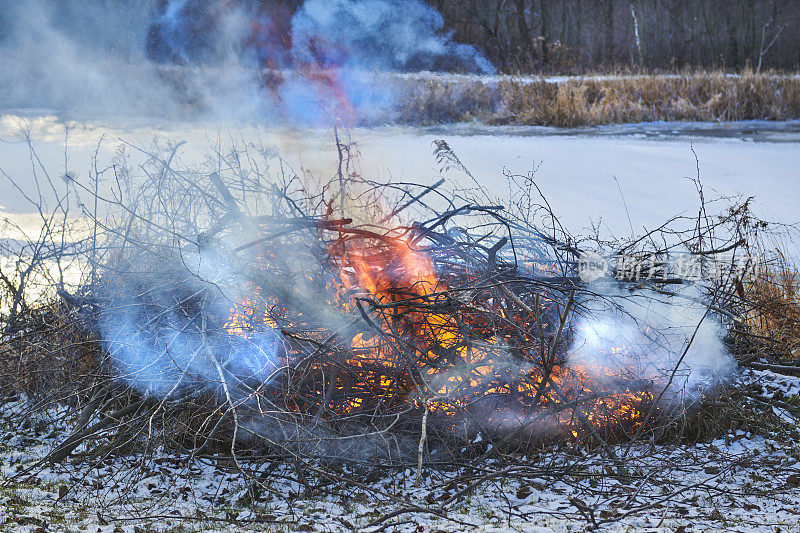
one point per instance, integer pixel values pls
(437, 101)
(52, 355)
(590, 101)
(775, 296)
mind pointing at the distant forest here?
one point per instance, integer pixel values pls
(574, 36)
(591, 35)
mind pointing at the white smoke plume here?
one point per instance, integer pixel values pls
(675, 341)
(403, 35)
(76, 57)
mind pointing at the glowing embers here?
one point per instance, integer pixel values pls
(252, 313)
(416, 341)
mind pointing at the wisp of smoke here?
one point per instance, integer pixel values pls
(405, 35)
(82, 57)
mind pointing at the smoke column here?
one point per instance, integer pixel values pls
(188, 58)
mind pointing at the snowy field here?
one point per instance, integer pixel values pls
(614, 177)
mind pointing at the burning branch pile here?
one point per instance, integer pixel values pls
(320, 321)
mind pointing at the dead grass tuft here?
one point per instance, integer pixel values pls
(437, 101)
(775, 296)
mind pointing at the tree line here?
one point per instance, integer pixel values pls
(586, 35)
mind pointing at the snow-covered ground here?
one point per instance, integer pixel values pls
(739, 483)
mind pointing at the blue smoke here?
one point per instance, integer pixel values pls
(384, 35)
(165, 333)
(324, 50)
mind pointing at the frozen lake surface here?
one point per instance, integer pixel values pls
(585, 173)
